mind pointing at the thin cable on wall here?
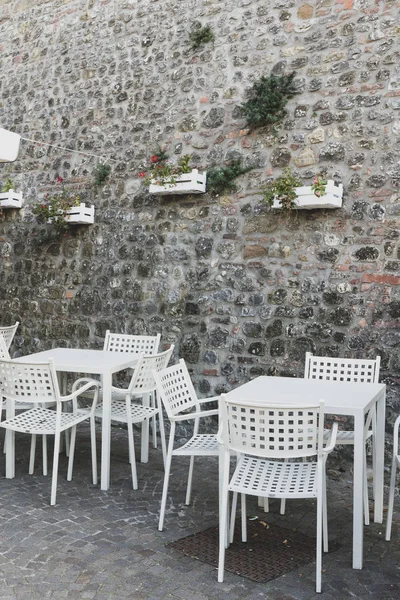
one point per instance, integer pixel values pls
(102, 158)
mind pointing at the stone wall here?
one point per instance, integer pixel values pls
(240, 290)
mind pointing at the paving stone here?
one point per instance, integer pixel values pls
(100, 545)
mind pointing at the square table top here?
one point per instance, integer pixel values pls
(340, 397)
(81, 360)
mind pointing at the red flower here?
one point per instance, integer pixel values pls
(59, 179)
(154, 158)
(142, 174)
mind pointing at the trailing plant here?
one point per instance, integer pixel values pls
(282, 189)
(101, 173)
(200, 36)
(267, 100)
(318, 185)
(8, 185)
(221, 178)
(54, 207)
(162, 171)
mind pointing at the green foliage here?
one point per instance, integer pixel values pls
(283, 189)
(8, 185)
(101, 173)
(267, 100)
(162, 172)
(220, 179)
(200, 36)
(54, 207)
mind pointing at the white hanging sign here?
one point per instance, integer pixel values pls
(9, 145)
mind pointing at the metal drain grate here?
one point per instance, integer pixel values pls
(269, 552)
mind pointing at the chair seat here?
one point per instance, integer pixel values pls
(201, 445)
(343, 437)
(274, 479)
(41, 421)
(139, 413)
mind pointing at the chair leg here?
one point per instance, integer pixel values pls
(131, 442)
(391, 500)
(243, 516)
(190, 479)
(283, 506)
(93, 449)
(223, 525)
(144, 452)
(325, 517)
(162, 436)
(44, 452)
(165, 486)
(365, 484)
(71, 453)
(233, 517)
(32, 455)
(266, 504)
(55, 469)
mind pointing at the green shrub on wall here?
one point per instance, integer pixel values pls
(267, 100)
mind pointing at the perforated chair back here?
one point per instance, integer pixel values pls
(143, 376)
(176, 390)
(136, 344)
(29, 382)
(354, 370)
(272, 431)
(4, 354)
(8, 333)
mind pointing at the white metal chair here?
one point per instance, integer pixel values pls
(142, 384)
(271, 441)
(36, 384)
(176, 391)
(357, 371)
(8, 333)
(395, 466)
(134, 344)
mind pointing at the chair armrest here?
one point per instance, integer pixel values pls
(332, 441)
(194, 415)
(212, 399)
(396, 436)
(77, 391)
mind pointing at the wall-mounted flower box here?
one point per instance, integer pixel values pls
(332, 198)
(187, 183)
(80, 215)
(11, 199)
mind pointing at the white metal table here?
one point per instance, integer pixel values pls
(341, 398)
(94, 362)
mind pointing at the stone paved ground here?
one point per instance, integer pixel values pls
(105, 545)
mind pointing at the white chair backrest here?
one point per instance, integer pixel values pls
(176, 390)
(8, 333)
(4, 354)
(142, 380)
(137, 344)
(271, 431)
(356, 370)
(29, 382)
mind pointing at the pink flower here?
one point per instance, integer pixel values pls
(59, 179)
(142, 174)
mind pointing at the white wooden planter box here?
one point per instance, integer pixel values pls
(11, 199)
(188, 183)
(333, 197)
(80, 214)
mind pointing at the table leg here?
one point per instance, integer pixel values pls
(106, 432)
(358, 483)
(380, 458)
(10, 442)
